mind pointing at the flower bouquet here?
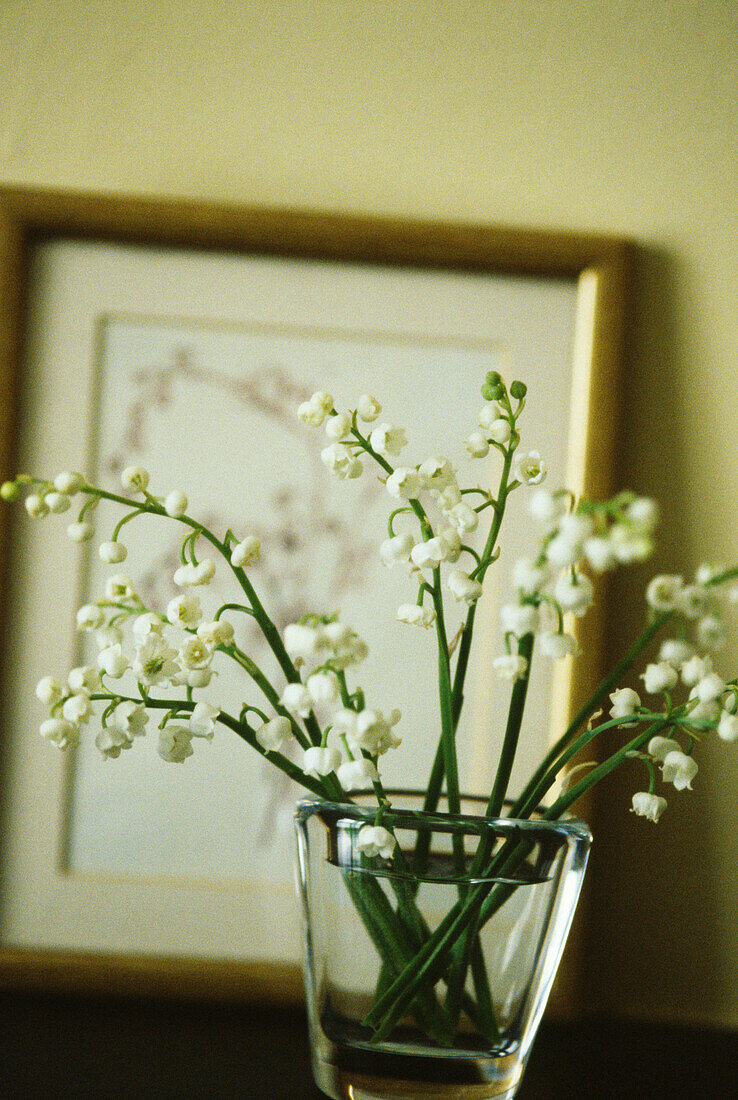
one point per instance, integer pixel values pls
(434, 923)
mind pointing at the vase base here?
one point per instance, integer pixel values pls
(497, 1080)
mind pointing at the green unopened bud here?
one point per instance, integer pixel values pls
(492, 392)
(493, 377)
(9, 490)
(518, 390)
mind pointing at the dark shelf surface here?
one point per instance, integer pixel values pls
(57, 1046)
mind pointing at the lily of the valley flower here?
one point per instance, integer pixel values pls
(314, 411)
(57, 502)
(112, 661)
(189, 576)
(711, 632)
(660, 676)
(36, 506)
(111, 740)
(219, 632)
(296, 699)
(320, 761)
(202, 720)
(388, 440)
(530, 468)
(154, 662)
(679, 769)
(519, 618)
(500, 431)
(184, 610)
(414, 615)
(347, 648)
(625, 702)
(305, 643)
(573, 593)
(477, 445)
(663, 592)
(148, 623)
(555, 645)
(368, 408)
(49, 691)
(132, 718)
(396, 549)
(429, 554)
(119, 588)
(510, 667)
(546, 507)
(246, 552)
(436, 474)
(68, 482)
(135, 479)
(175, 504)
(600, 553)
(463, 588)
(83, 679)
(728, 726)
(375, 840)
(338, 427)
(357, 775)
(404, 483)
(695, 669)
(369, 730)
(90, 617)
(650, 806)
(660, 747)
(112, 552)
(676, 651)
(528, 577)
(341, 463)
(77, 708)
(464, 518)
(323, 688)
(194, 653)
(175, 743)
(80, 532)
(60, 732)
(272, 735)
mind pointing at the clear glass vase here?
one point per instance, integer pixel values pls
(427, 973)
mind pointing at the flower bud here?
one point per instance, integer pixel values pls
(175, 504)
(9, 490)
(246, 552)
(48, 691)
(80, 532)
(518, 390)
(68, 482)
(36, 506)
(58, 502)
(112, 552)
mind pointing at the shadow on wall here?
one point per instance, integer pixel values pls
(656, 930)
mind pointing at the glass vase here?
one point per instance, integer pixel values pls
(427, 972)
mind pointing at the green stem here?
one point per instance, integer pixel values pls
(512, 732)
(243, 731)
(610, 681)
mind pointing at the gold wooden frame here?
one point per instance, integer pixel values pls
(27, 217)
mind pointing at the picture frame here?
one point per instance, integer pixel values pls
(599, 265)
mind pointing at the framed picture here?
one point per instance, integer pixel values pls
(182, 338)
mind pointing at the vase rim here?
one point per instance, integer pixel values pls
(569, 828)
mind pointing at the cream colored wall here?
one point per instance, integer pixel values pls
(584, 114)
